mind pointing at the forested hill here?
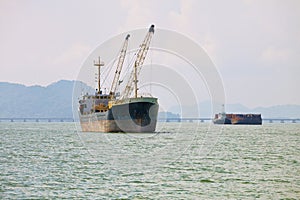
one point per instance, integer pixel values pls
(18, 100)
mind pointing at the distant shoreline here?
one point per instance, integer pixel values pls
(201, 120)
(55, 101)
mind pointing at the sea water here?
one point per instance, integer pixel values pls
(180, 161)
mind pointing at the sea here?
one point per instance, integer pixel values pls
(182, 160)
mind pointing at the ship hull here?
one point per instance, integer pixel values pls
(239, 119)
(222, 121)
(136, 115)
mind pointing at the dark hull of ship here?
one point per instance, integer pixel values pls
(222, 121)
(244, 120)
(240, 122)
(136, 117)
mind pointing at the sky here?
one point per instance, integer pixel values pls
(254, 44)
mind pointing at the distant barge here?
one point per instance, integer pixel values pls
(247, 119)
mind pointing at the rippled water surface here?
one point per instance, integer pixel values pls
(181, 161)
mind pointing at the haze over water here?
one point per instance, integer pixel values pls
(52, 161)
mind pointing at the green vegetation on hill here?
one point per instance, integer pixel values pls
(54, 100)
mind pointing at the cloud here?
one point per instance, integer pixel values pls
(249, 40)
(75, 53)
(275, 55)
(140, 14)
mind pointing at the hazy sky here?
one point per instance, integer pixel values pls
(254, 44)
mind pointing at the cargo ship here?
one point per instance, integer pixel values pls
(120, 112)
(235, 119)
(251, 119)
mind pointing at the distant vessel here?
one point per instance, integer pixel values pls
(247, 119)
(113, 112)
(251, 119)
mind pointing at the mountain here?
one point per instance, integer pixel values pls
(55, 100)
(164, 115)
(278, 111)
(204, 109)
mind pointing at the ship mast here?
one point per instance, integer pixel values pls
(99, 64)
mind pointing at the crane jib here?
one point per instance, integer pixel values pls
(141, 55)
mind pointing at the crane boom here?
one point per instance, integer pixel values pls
(140, 58)
(119, 66)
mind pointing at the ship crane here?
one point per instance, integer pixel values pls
(140, 58)
(121, 59)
